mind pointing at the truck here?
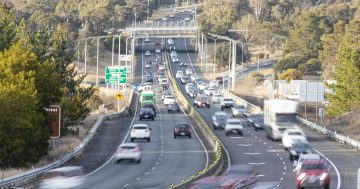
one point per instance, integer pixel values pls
(279, 115)
(147, 97)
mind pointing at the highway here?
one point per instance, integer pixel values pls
(165, 160)
(271, 160)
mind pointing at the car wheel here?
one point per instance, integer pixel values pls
(179, 111)
(118, 161)
(327, 186)
(154, 115)
(256, 129)
(168, 111)
(153, 119)
(139, 160)
(226, 133)
(222, 108)
(208, 106)
(291, 158)
(132, 139)
(214, 127)
(140, 119)
(241, 133)
(189, 136)
(148, 139)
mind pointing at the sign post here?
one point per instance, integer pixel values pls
(55, 113)
(118, 97)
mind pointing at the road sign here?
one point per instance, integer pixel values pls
(55, 114)
(112, 74)
(125, 57)
(119, 96)
(126, 93)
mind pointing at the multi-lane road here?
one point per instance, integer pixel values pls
(269, 157)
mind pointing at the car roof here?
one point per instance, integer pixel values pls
(141, 125)
(311, 156)
(182, 123)
(233, 120)
(314, 161)
(128, 145)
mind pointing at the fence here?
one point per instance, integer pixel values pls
(29, 176)
(216, 166)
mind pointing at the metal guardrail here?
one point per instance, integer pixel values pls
(29, 176)
(216, 166)
(320, 129)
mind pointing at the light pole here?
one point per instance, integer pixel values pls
(214, 56)
(258, 57)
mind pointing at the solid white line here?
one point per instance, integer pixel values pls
(126, 136)
(138, 178)
(336, 170)
(284, 167)
(262, 163)
(260, 175)
(146, 173)
(252, 153)
(236, 137)
(244, 144)
(125, 185)
(226, 151)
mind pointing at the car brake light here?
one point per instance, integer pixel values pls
(301, 176)
(146, 131)
(136, 150)
(189, 129)
(323, 176)
(133, 131)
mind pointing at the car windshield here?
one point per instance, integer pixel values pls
(140, 127)
(228, 100)
(313, 166)
(281, 117)
(169, 97)
(234, 122)
(182, 125)
(127, 147)
(295, 133)
(221, 117)
(301, 145)
(148, 98)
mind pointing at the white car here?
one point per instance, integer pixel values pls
(188, 72)
(63, 177)
(173, 54)
(238, 111)
(175, 59)
(169, 100)
(179, 74)
(209, 91)
(203, 86)
(234, 126)
(147, 39)
(147, 53)
(158, 51)
(170, 41)
(214, 84)
(164, 81)
(186, 19)
(140, 131)
(164, 18)
(128, 151)
(217, 98)
(171, 16)
(227, 103)
(291, 136)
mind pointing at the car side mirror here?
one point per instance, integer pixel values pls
(150, 129)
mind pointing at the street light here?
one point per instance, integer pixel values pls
(258, 58)
(215, 39)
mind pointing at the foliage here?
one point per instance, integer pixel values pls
(7, 27)
(290, 74)
(258, 77)
(346, 73)
(222, 54)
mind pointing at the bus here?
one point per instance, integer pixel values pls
(147, 97)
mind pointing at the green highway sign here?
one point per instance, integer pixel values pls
(113, 73)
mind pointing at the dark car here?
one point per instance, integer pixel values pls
(149, 79)
(193, 92)
(243, 174)
(299, 148)
(219, 120)
(201, 102)
(148, 62)
(182, 129)
(173, 108)
(313, 174)
(220, 79)
(151, 106)
(185, 79)
(146, 113)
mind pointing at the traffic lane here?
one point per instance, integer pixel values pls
(247, 149)
(350, 181)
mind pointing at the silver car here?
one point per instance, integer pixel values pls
(63, 177)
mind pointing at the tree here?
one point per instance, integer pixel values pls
(257, 7)
(346, 88)
(222, 54)
(24, 129)
(7, 27)
(290, 74)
